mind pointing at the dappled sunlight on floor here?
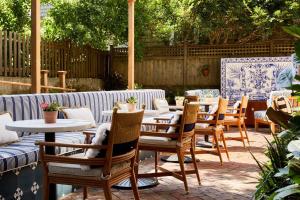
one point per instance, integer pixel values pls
(236, 179)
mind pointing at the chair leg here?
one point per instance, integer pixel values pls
(181, 163)
(85, 193)
(107, 191)
(195, 165)
(218, 147)
(242, 135)
(245, 130)
(225, 146)
(156, 161)
(134, 186)
(255, 126)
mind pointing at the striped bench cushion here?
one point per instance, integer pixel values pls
(25, 152)
(105, 100)
(24, 107)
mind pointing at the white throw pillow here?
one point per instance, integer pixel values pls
(161, 105)
(79, 113)
(6, 136)
(122, 106)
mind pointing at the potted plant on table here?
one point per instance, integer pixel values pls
(179, 100)
(50, 111)
(131, 104)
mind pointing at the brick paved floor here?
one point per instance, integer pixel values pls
(236, 179)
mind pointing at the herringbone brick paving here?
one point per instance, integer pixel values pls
(235, 180)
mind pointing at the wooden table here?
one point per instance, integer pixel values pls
(39, 126)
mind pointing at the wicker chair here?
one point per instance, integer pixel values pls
(107, 171)
(238, 119)
(260, 115)
(214, 128)
(180, 142)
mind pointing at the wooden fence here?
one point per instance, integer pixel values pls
(182, 65)
(79, 62)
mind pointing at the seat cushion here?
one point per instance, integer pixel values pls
(261, 114)
(161, 105)
(201, 125)
(160, 141)
(25, 152)
(80, 113)
(76, 170)
(6, 136)
(157, 141)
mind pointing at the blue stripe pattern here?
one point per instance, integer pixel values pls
(24, 107)
(22, 153)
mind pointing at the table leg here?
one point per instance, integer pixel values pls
(50, 137)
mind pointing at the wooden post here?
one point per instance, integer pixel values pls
(35, 47)
(44, 74)
(62, 79)
(185, 51)
(131, 44)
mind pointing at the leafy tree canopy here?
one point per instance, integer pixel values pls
(101, 23)
(14, 15)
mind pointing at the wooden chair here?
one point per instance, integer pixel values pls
(214, 128)
(178, 142)
(191, 98)
(105, 172)
(238, 119)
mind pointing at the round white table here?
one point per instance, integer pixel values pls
(39, 126)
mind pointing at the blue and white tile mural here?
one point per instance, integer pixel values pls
(255, 77)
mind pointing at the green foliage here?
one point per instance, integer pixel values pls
(115, 81)
(54, 106)
(14, 15)
(131, 100)
(280, 177)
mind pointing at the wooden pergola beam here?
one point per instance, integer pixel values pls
(35, 46)
(131, 44)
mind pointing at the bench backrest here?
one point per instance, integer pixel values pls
(27, 106)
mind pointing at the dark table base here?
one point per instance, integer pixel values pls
(143, 183)
(50, 137)
(174, 159)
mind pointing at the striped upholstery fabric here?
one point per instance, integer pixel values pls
(25, 152)
(24, 107)
(101, 101)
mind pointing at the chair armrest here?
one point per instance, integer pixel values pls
(80, 146)
(159, 134)
(164, 125)
(206, 121)
(232, 114)
(205, 113)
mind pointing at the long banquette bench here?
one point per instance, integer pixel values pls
(20, 171)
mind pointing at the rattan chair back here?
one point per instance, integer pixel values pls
(243, 106)
(223, 103)
(191, 98)
(125, 126)
(188, 120)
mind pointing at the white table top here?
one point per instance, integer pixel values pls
(148, 113)
(39, 126)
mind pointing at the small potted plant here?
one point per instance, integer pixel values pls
(179, 100)
(131, 104)
(205, 70)
(50, 111)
